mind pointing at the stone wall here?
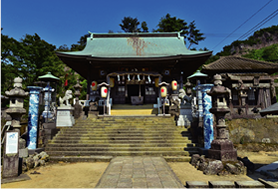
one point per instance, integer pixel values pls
(245, 131)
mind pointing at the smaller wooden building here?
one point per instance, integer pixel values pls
(251, 82)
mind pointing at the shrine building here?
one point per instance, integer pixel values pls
(133, 64)
(251, 82)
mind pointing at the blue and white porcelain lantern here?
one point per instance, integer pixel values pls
(33, 116)
(207, 115)
(47, 114)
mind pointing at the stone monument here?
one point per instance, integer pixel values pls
(221, 147)
(65, 111)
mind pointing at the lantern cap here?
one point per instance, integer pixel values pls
(163, 84)
(198, 74)
(48, 77)
(103, 84)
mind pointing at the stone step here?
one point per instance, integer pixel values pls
(124, 145)
(109, 158)
(111, 129)
(126, 132)
(115, 121)
(118, 138)
(81, 158)
(100, 139)
(144, 117)
(126, 123)
(121, 153)
(177, 158)
(121, 149)
(78, 135)
(125, 126)
(119, 141)
(126, 119)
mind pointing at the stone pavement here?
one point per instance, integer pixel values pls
(139, 172)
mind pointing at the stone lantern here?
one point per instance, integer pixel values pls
(221, 147)
(48, 90)
(77, 88)
(204, 104)
(198, 78)
(77, 107)
(11, 147)
(16, 96)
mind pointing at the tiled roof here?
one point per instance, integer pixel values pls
(240, 64)
(270, 109)
(134, 45)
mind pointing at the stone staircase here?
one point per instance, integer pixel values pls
(126, 109)
(102, 138)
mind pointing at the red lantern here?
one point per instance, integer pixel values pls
(163, 92)
(94, 85)
(103, 92)
(174, 85)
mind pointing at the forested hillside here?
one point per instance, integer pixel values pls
(262, 45)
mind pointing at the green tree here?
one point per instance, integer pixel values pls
(144, 27)
(194, 35)
(28, 58)
(174, 24)
(8, 71)
(130, 25)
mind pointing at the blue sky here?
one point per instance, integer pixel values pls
(62, 22)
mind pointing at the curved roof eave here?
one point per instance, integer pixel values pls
(127, 58)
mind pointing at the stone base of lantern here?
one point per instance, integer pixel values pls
(223, 150)
(64, 116)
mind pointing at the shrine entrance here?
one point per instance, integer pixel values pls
(134, 88)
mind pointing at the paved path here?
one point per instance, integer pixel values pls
(139, 172)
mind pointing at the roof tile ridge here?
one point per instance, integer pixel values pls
(208, 66)
(260, 61)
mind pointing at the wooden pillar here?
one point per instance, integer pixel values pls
(89, 80)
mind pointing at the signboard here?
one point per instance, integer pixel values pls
(11, 142)
(63, 113)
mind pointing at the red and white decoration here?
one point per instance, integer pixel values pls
(103, 92)
(174, 85)
(163, 91)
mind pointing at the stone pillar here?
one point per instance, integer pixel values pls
(33, 117)
(47, 102)
(11, 155)
(207, 116)
(65, 111)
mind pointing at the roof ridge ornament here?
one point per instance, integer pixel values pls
(179, 34)
(92, 35)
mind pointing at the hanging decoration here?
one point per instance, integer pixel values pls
(174, 85)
